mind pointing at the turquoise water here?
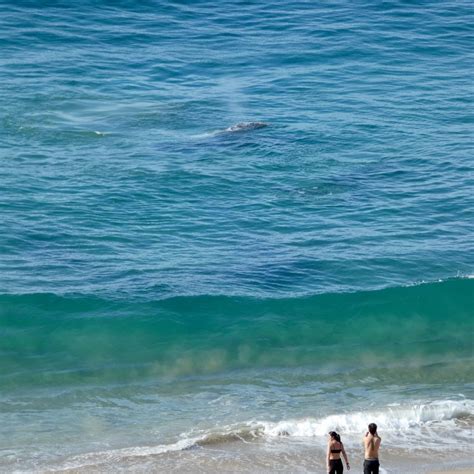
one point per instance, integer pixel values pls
(170, 279)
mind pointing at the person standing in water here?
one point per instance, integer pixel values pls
(335, 448)
(371, 447)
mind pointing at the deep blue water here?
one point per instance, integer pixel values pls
(114, 183)
(146, 239)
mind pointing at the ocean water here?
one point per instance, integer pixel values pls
(231, 227)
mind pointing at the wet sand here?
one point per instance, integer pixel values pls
(454, 471)
(280, 455)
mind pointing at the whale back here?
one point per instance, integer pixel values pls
(246, 126)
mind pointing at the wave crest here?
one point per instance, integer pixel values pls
(394, 418)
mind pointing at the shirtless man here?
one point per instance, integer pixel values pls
(371, 447)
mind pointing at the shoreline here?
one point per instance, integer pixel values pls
(240, 457)
(453, 471)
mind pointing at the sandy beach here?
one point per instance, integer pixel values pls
(451, 471)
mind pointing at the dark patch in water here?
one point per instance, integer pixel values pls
(246, 126)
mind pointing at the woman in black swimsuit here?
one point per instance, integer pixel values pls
(335, 449)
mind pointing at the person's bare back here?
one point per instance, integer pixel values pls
(371, 450)
(371, 445)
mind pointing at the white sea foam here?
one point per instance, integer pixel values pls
(393, 418)
(113, 456)
(399, 424)
(436, 426)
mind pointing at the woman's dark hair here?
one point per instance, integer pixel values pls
(372, 428)
(335, 436)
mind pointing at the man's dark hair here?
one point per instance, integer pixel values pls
(372, 428)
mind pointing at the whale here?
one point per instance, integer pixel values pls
(234, 129)
(245, 127)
